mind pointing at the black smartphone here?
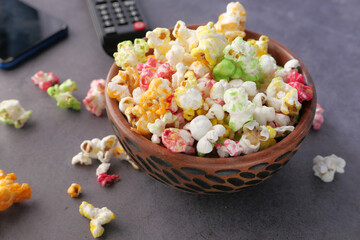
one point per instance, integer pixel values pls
(25, 31)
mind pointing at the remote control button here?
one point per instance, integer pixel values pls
(117, 10)
(133, 13)
(104, 12)
(132, 8)
(122, 21)
(105, 17)
(136, 19)
(138, 26)
(101, 6)
(109, 30)
(107, 24)
(119, 15)
(116, 4)
(128, 2)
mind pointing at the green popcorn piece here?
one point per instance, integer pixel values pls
(243, 54)
(11, 112)
(238, 106)
(63, 95)
(129, 54)
(226, 69)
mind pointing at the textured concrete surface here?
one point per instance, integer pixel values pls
(293, 204)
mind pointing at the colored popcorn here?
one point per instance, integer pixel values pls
(318, 118)
(95, 98)
(208, 91)
(63, 94)
(97, 216)
(107, 180)
(44, 80)
(11, 112)
(11, 192)
(74, 190)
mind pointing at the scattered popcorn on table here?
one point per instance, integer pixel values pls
(97, 216)
(107, 180)
(95, 98)
(11, 192)
(325, 167)
(74, 190)
(63, 94)
(208, 91)
(11, 112)
(44, 80)
(319, 118)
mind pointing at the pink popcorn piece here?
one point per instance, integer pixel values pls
(107, 180)
(318, 118)
(233, 147)
(178, 140)
(294, 76)
(305, 93)
(164, 71)
(44, 80)
(95, 98)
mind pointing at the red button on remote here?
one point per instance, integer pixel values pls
(138, 26)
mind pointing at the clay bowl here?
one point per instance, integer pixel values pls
(213, 175)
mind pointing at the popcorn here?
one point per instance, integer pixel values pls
(271, 141)
(63, 94)
(252, 137)
(123, 83)
(178, 77)
(189, 98)
(319, 118)
(74, 190)
(186, 37)
(291, 65)
(243, 54)
(233, 148)
(199, 126)
(98, 217)
(158, 126)
(102, 168)
(95, 99)
(218, 90)
(283, 131)
(11, 112)
(294, 76)
(282, 97)
(232, 22)
(177, 54)
(205, 84)
(125, 103)
(44, 80)
(107, 180)
(199, 68)
(159, 40)
(177, 140)
(227, 69)
(11, 192)
(129, 55)
(217, 111)
(261, 45)
(267, 69)
(206, 144)
(211, 44)
(239, 107)
(325, 167)
(305, 93)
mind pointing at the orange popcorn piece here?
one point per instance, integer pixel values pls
(74, 190)
(11, 192)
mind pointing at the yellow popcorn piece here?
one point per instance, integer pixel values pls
(123, 84)
(98, 217)
(261, 45)
(271, 141)
(184, 36)
(211, 44)
(290, 105)
(74, 190)
(232, 22)
(11, 192)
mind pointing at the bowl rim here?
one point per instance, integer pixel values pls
(180, 159)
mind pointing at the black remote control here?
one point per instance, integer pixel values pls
(116, 21)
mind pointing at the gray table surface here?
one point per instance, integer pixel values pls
(293, 204)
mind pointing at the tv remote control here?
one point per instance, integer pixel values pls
(117, 20)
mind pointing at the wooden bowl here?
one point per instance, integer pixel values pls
(203, 175)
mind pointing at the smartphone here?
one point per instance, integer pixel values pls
(24, 31)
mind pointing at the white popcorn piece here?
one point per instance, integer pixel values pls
(98, 217)
(259, 99)
(125, 103)
(206, 144)
(82, 159)
(177, 54)
(159, 39)
(102, 168)
(218, 90)
(199, 68)
(264, 114)
(199, 126)
(291, 65)
(137, 93)
(283, 131)
(11, 112)
(184, 36)
(253, 134)
(121, 91)
(250, 88)
(178, 77)
(326, 167)
(267, 68)
(216, 111)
